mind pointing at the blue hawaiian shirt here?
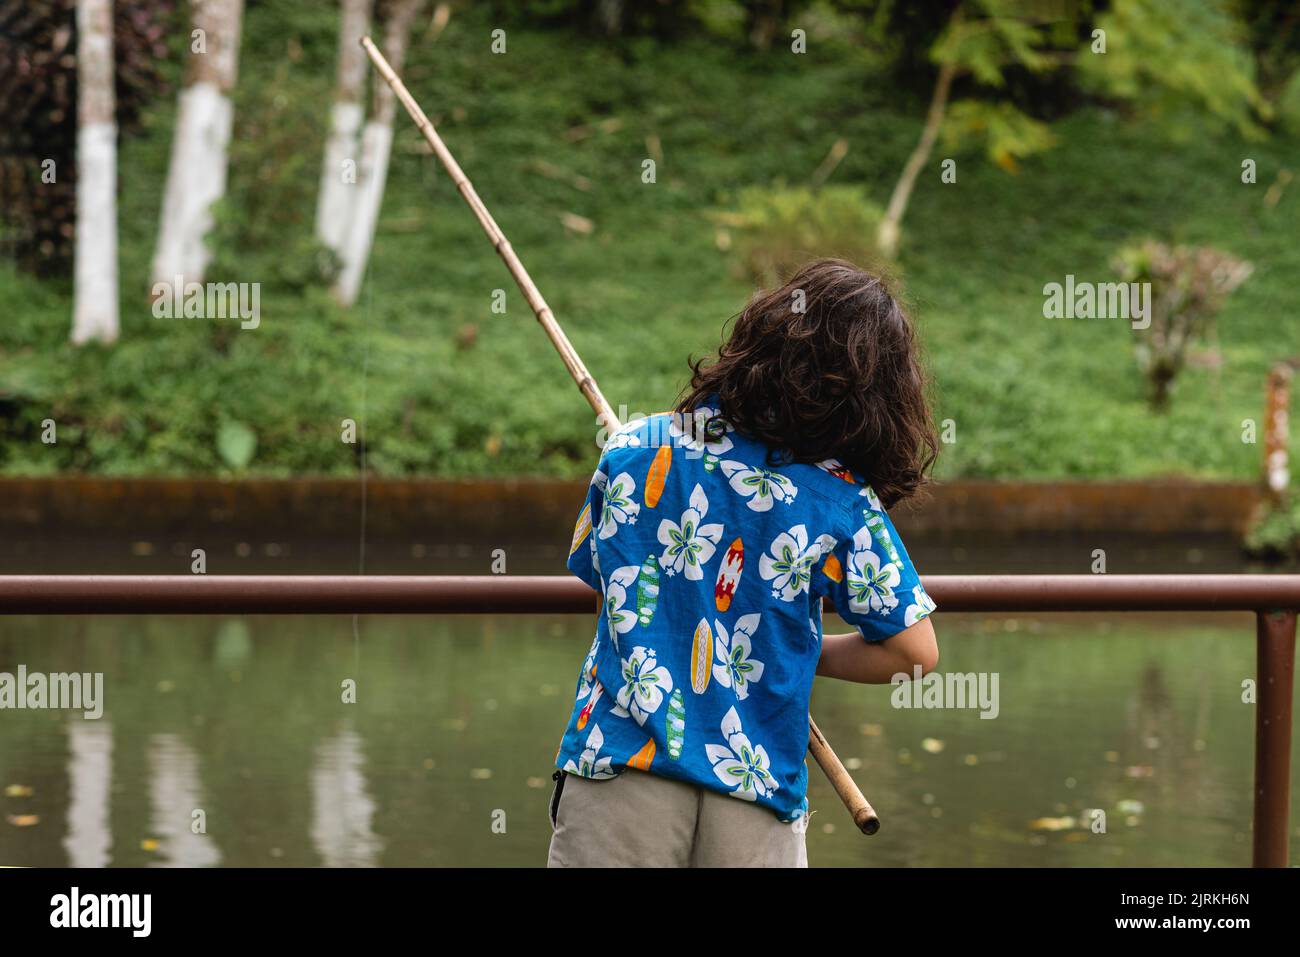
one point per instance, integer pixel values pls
(712, 563)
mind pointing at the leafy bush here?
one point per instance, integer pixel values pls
(779, 228)
(1275, 534)
(1188, 287)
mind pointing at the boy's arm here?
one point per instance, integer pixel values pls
(849, 658)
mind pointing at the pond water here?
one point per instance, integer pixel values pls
(445, 758)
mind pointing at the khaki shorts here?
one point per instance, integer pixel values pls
(643, 820)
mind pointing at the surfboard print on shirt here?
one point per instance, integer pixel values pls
(582, 529)
(701, 656)
(733, 563)
(658, 475)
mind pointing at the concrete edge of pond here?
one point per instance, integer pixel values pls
(539, 509)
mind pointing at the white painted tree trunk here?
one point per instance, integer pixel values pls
(376, 147)
(338, 179)
(95, 306)
(196, 174)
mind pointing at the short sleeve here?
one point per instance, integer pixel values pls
(583, 560)
(872, 582)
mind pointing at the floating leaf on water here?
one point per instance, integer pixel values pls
(536, 783)
(1130, 806)
(19, 791)
(932, 745)
(23, 820)
(1112, 757)
(828, 828)
(853, 763)
(149, 844)
(1052, 824)
(166, 686)
(429, 764)
(480, 774)
(872, 730)
(1139, 771)
(971, 760)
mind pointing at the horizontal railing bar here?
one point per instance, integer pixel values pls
(553, 594)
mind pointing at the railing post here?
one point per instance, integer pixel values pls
(1275, 633)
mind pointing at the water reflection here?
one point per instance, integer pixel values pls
(175, 794)
(342, 807)
(90, 773)
(459, 717)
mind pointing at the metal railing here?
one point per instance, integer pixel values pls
(1274, 599)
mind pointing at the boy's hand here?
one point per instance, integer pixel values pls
(850, 658)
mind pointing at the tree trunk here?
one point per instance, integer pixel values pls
(339, 172)
(890, 227)
(196, 175)
(376, 145)
(95, 270)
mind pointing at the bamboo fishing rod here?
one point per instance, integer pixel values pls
(864, 816)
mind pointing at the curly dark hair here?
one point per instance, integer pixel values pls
(826, 367)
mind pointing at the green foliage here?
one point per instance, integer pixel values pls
(984, 43)
(1177, 61)
(1288, 105)
(991, 38)
(1273, 34)
(1275, 533)
(1188, 287)
(1008, 134)
(779, 228)
(1031, 398)
(236, 444)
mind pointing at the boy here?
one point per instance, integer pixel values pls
(713, 533)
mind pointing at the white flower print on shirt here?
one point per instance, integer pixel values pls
(870, 583)
(735, 668)
(689, 429)
(689, 544)
(740, 765)
(620, 619)
(588, 674)
(626, 436)
(761, 487)
(618, 508)
(645, 684)
(788, 566)
(588, 765)
(922, 605)
(837, 468)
